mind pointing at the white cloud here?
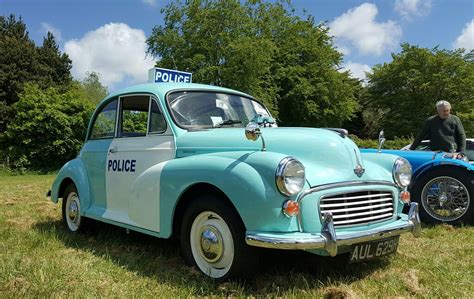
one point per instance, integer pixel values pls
(413, 8)
(356, 70)
(115, 51)
(150, 2)
(359, 28)
(466, 39)
(45, 27)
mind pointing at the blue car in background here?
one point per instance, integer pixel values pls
(442, 184)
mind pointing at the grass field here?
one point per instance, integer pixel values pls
(38, 257)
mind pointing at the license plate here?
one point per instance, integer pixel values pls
(372, 250)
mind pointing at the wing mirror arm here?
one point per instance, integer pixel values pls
(381, 140)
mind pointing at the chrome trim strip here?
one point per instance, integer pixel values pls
(312, 190)
(329, 241)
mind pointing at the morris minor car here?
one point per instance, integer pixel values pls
(209, 166)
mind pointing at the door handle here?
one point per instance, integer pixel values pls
(113, 150)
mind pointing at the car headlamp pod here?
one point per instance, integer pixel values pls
(290, 176)
(402, 172)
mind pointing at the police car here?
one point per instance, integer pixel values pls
(210, 166)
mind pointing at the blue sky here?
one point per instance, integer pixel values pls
(108, 36)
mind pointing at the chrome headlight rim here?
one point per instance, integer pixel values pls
(280, 176)
(396, 172)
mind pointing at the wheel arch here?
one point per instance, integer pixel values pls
(74, 172)
(190, 195)
(421, 171)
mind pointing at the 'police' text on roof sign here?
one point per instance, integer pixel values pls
(156, 75)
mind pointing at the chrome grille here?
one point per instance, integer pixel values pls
(358, 207)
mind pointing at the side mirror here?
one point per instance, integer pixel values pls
(381, 140)
(252, 132)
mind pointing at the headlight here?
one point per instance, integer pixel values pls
(402, 172)
(290, 176)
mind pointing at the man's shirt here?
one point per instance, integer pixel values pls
(444, 134)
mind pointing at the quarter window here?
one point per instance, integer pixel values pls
(134, 116)
(104, 125)
(157, 121)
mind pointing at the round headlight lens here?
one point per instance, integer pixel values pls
(402, 172)
(290, 176)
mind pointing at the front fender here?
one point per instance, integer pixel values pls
(75, 171)
(246, 178)
(440, 162)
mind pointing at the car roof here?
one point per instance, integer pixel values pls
(161, 89)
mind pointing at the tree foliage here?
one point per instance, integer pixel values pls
(92, 88)
(407, 88)
(48, 128)
(260, 48)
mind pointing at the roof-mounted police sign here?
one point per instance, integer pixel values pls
(156, 75)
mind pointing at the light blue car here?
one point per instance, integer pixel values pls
(209, 166)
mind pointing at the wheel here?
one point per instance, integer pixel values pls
(445, 195)
(71, 210)
(213, 239)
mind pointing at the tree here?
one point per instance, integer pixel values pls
(93, 90)
(21, 62)
(407, 88)
(54, 67)
(260, 48)
(48, 128)
(18, 59)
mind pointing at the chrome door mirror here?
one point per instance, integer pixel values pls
(381, 140)
(252, 132)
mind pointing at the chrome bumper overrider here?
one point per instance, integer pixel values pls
(328, 240)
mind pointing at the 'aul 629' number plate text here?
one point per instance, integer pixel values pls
(372, 250)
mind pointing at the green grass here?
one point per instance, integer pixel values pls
(39, 257)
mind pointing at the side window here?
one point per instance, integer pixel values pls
(133, 116)
(157, 121)
(104, 124)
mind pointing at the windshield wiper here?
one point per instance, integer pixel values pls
(228, 122)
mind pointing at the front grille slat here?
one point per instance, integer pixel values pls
(366, 219)
(388, 204)
(360, 207)
(361, 213)
(353, 203)
(358, 197)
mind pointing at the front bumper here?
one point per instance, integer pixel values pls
(328, 240)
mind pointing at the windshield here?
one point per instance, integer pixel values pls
(198, 110)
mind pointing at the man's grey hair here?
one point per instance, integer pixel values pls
(442, 104)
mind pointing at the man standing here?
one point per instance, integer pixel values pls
(444, 131)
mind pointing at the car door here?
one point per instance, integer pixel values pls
(94, 155)
(136, 155)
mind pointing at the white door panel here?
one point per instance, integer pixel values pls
(133, 170)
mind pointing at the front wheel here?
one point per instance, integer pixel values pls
(213, 239)
(445, 196)
(71, 210)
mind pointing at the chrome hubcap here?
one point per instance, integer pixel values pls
(212, 245)
(73, 216)
(72, 211)
(445, 198)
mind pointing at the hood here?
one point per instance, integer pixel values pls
(327, 156)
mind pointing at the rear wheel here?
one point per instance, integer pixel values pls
(445, 195)
(71, 210)
(213, 239)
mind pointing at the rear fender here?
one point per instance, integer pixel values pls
(76, 172)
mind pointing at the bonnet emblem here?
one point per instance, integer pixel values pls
(358, 170)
